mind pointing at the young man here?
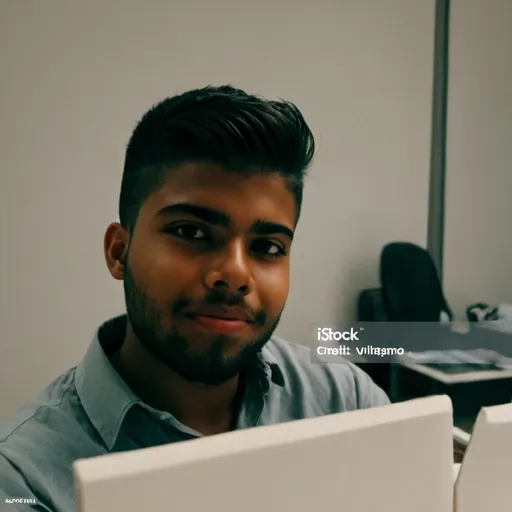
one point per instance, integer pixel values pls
(210, 198)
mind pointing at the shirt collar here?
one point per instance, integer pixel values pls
(106, 397)
(270, 364)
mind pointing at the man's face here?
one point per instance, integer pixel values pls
(207, 272)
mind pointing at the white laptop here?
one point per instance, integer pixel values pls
(484, 480)
(396, 458)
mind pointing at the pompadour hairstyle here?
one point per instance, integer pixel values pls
(220, 125)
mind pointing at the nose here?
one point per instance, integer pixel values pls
(231, 270)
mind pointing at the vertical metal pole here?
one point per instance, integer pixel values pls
(435, 234)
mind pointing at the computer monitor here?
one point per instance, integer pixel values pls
(392, 458)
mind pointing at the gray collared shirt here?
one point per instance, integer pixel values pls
(90, 411)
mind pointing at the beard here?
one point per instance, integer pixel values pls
(177, 351)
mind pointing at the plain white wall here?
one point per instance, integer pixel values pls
(77, 76)
(478, 225)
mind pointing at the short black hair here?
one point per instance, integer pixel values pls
(221, 125)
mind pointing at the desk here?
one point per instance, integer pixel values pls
(439, 377)
(469, 391)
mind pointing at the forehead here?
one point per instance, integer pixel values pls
(244, 198)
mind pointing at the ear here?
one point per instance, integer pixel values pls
(115, 246)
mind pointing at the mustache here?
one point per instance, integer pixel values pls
(219, 298)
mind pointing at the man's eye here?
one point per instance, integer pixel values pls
(188, 232)
(268, 248)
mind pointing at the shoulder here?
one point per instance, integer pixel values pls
(35, 441)
(344, 382)
(36, 434)
(35, 414)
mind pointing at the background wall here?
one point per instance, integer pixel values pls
(478, 224)
(77, 76)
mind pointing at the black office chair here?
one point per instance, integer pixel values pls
(411, 292)
(411, 289)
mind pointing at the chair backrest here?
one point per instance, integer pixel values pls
(411, 289)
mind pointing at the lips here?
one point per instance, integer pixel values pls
(221, 319)
(228, 313)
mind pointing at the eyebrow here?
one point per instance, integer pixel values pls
(218, 218)
(263, 227)
(204, 213)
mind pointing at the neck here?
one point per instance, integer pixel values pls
(206, 409)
